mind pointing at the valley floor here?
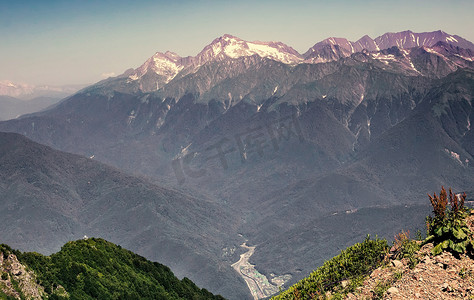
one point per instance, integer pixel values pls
(257, 283)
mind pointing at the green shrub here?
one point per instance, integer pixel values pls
(448, 230)
(16, 287)
(406, 248)
(6, 250)
(380, 288)
(97, 269)
(352, 264)
(4, 296)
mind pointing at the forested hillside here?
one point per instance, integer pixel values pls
(94, 269)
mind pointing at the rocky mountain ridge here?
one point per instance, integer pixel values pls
(163, 67)
(16, 280)
(404, 40)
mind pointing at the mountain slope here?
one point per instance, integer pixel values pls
(97, 269)
(49, 197)
(409, 269)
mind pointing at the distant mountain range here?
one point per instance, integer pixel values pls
(292, 147)
(161, 68)
(18, 98)
(27, 91)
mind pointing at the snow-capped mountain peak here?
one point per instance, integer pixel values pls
(404, 40)
(365, 42)
(234, 47)
(166, 64)
(161, 68)
(341, 42)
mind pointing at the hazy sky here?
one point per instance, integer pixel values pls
(81, 41)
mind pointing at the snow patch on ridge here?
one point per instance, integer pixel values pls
(431, 51)
(457, 157)
(234, 47)
(381, 56)
(464, 57)
(166, 64)
(451, 39)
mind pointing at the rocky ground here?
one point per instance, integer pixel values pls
(434, 277)
(16, 281)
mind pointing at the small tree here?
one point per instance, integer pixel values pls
(448, 229)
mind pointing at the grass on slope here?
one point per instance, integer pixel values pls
(352, 265)
(4, 296)
(97, 269)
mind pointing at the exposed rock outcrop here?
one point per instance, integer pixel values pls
(434, 277)
(16, 280)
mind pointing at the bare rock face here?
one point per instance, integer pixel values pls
(434, 277)
(16, 272)
(397, 264)
(15, 267)
(392, 290)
